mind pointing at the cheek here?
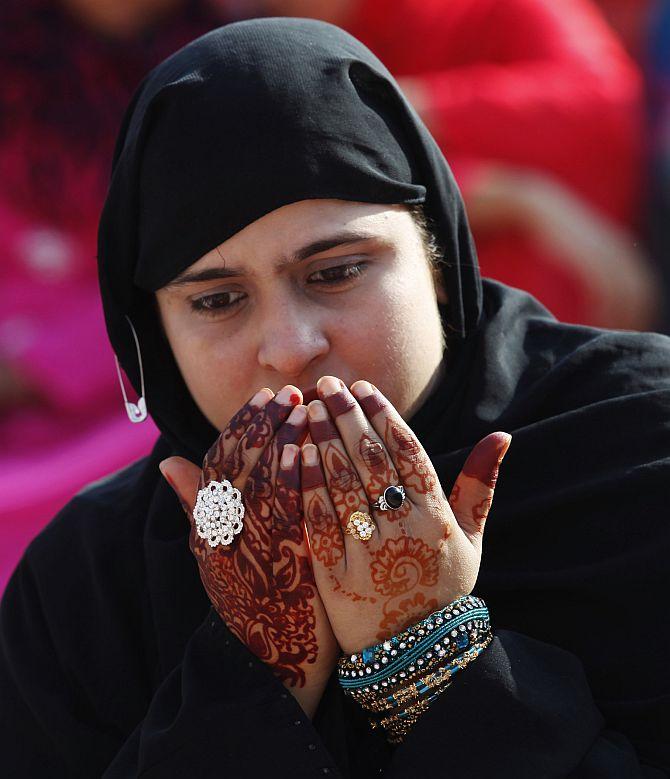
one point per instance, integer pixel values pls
(214, 377)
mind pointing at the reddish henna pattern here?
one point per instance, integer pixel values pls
(481, 510)
(399, 567)
(407, 612)
(344, 486)
(372, 404)
(339, 403)
(372, 453)
(455, 495)
(323, 430)
(325, 535)
(488, 451)
(263, 586)
(412, 463)
(238, 424)
(353, 596)
(381, 475)
(402, 564)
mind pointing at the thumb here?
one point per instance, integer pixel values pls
(472, 495)
(184, 478)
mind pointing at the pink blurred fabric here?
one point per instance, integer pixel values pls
(52, 332)
(62, 98)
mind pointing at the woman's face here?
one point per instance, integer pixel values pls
(318, 287)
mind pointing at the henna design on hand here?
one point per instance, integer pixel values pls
(325, 538)
(353, 596)
(327, 544)
(400, 567)
(407, 612)
(263, 587)
(410, 459)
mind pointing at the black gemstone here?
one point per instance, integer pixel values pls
(394, 497)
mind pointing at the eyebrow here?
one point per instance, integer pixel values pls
(310, 249)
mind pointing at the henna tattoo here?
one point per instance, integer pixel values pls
(325, 537)
(372, 453)
(410, 459)
(353, 596)
(323, 430)
(407, 612)
(381, 474)
(263, 587)
(483, 462)
(340, 403)
(344, 486)
(399, 567)
(481, 511)
(402, 564)
(372, 404)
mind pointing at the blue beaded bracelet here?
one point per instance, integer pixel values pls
(443, 633)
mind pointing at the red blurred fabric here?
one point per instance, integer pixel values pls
(532, 84)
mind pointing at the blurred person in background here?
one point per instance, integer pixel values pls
(68, 70)
(540, 112)
(630, 19)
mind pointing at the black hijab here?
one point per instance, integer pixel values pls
(248, 118)
(263, 113)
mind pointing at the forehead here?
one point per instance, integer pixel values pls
(309, 223)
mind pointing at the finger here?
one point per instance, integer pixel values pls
(326, 539)
(225, 444)
(260, 432)
(290, 560)
(416, 471)
(342, 481)
(183, 476)
(258, 489)
(472, 494)
(363, 445)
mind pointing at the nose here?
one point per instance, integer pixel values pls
(291, 338)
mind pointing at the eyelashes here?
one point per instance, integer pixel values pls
(338, 276)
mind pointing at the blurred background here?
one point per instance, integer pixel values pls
(555, 117)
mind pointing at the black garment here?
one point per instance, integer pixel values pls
(110, 658)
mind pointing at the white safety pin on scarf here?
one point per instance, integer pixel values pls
(137, 412)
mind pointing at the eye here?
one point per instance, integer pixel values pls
(217, 302)
(340, 274)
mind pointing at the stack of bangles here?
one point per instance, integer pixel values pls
(397, 680)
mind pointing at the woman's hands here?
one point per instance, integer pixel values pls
(422, 556)
(262, 586)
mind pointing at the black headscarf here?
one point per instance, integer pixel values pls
(263, 113)
(248, 118)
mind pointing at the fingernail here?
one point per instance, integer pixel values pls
(505, 447)
(297, 416)
(288, 456)
(309, 455)
(317, 411)
(362, 389)
(261, 397)
(288, 396)
(328, 385)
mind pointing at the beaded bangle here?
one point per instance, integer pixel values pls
(441, 635)
(397, 680)
(398, 724)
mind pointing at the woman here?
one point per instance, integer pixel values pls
(262, 228)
